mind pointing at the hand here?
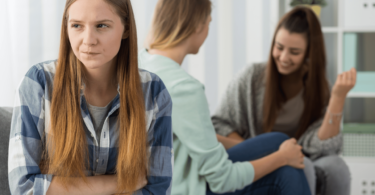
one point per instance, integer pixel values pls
(344, 83)
(292, 153)
(142, 182)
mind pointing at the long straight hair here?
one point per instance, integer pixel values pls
(316, 94)
(175, 20)
(67, 149)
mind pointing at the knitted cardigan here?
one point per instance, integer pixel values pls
(241, 111)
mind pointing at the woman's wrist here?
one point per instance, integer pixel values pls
(281, 158)
(336, 104)
(340, 98)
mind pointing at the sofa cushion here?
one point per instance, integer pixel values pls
(5, 121)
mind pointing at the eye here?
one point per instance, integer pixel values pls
(279, 48)
(102, 26)
(76, 26)
(294, 53)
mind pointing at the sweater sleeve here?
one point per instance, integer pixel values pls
(315, 147)
(232, 113)
(192, 125)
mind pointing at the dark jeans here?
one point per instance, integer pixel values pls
(285, 180)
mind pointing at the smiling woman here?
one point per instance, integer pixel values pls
(84, 124)
(290, 94)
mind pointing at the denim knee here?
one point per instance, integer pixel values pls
(278, 137)
(289, 173)
(293, 181)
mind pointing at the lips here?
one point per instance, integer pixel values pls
(286, 65)
(283, 64)
(90, 53)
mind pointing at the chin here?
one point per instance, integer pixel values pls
(284, 71)
(92, 64)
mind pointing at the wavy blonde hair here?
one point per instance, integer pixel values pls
(175, 20)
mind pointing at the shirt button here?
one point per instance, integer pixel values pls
(92, 135)
(97, 160)
(18, 137)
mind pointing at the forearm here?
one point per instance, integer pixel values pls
(103, 184)
(236, 136)
(267, 164)
(331, 124)
(227, 142)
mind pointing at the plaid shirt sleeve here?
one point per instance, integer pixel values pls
(25, 145)
(160, 139)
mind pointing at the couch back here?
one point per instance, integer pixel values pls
(5, 121)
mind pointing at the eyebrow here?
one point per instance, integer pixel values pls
(293, 48)
(100, 21)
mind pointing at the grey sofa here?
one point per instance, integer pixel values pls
(5, 120)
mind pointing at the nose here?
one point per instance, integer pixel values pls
(90, 38)
(284, 56)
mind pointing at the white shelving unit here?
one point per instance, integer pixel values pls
(355, 17)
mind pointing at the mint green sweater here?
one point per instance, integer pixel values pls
(198, 157)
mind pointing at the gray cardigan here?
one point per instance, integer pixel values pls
(241, 110)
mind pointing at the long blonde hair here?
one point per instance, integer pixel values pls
(67, 149)
(175, 20)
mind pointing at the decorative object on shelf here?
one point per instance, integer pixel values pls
(315, 5)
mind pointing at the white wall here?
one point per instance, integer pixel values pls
(29, 35)
(240, 34)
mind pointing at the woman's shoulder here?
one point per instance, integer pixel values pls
(152, 84)
(254, 69)
(250, 73)
(176, 80)
(41, 73)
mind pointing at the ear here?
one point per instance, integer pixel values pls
(126, 33)
(305, 67)
(199, 28)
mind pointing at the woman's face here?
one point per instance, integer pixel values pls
(198, 38)
(95, 32)
(289, 51)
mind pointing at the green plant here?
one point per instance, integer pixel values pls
(309, 2)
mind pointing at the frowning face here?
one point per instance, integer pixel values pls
(95, 32)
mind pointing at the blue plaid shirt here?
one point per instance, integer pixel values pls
(31, 119)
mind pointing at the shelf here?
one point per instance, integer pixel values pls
(350, 159)
(359, 30)
(348, 30)
(361, 95)
(368, 128)
(330, 29)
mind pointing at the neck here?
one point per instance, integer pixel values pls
(291, 79)
(177, 53)
(292, 84)
(101, 80)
